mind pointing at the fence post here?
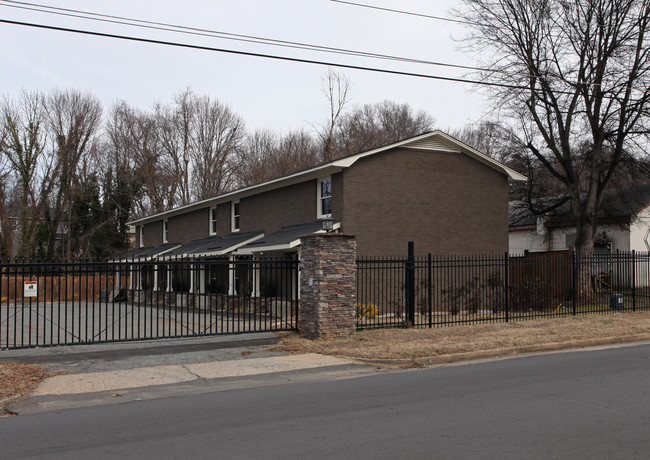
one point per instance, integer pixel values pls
(506, 285)
(574, 272)
(633, 280)
(430, 289)
(2, 270)
(618, 270)
(410, 285)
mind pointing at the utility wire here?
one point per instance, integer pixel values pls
(262, 55)
(408, 13)
(247, 38)
(306, 46)
(427, 16)
(460, 21)
(218, 34)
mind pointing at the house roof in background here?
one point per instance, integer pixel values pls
(432, 141)
(617, 205)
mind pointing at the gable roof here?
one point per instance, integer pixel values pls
(431, 141)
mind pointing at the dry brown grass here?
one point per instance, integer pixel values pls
(420, 343)
(17, 380)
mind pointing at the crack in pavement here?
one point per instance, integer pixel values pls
(198, 377)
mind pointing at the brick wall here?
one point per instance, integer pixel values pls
(267, 211)
(447, 203)
(190, 226)
(328, 285)
(273, 210)
(153, 234)
(224, 219)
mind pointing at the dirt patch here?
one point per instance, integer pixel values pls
(17, 380)
(420, 343)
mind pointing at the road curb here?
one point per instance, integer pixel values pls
(505, 352)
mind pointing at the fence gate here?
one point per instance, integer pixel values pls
(45, 304)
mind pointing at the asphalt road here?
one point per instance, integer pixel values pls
(588, 404)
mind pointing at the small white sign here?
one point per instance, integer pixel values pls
(31, 289)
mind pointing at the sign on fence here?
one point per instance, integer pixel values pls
(31, 289)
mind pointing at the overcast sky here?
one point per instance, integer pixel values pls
(273, 94)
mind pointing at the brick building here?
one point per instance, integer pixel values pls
(431, 189)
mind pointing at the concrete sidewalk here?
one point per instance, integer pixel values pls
(119, 366)
(170, 374)
(130, 372)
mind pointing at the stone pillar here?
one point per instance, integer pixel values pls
(328, 285)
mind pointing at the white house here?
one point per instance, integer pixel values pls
(623, 224)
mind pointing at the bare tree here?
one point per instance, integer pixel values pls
(297, 150)
(256, 157)
(133, 140)
(6, 189)
(336, 87)
(492, 139)
(265, 156)
(374, 125)
(574, 77)
(175, 126)
(73, 119)
(217, 136)
(24, 140)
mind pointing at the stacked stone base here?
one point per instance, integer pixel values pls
(328, 285)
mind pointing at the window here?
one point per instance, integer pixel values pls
(141, 236)
(325, 197)
(165, 230)
(235, 216)
(213, 221)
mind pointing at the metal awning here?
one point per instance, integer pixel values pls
(145, 254)
(223, 245)
(285, 239)
(183, 250)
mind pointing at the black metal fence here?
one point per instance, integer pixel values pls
(433, 291)
(64, 303)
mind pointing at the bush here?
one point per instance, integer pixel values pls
(533, 294)
(367, 310)
(475, 295)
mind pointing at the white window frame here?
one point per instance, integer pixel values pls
(319, 197)
(213, 220)
(165, 235)
(141, 236)
(234, 217)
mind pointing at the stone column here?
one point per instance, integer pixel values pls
(328, 285)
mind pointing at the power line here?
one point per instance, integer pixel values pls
(261, 55)
(427, 16)
(219, 34)
(460, 21)
(268, 56)
(408, 13)
(249, 38)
